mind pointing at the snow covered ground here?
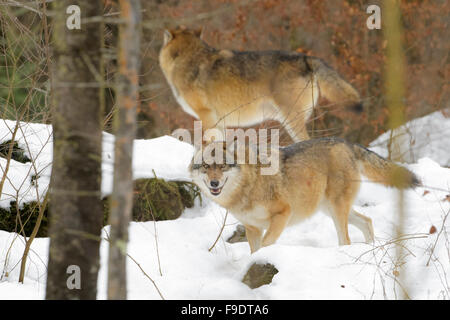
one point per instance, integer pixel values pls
(311, 265)
(422, 137)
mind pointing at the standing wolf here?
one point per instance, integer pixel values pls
(315, 174)
(226, 88)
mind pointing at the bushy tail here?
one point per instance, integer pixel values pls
(383, 171)
(333, 86)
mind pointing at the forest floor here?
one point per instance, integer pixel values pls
(175, 255)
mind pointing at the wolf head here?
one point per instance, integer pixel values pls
(212, 179)
(219, 167)
(179, 43)
(181, 36)
(214, 169)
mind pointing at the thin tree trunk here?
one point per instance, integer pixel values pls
(395, 95)
(76, 208)
(125, 128)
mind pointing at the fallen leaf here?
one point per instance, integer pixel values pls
(432, 230)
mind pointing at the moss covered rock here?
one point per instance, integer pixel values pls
(157, 199)
(15, 219)
(17, 153)
(154, 199)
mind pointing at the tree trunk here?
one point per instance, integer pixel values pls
(125, 129)
(76, 209)
(394, 88)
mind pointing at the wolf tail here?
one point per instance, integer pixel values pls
(333, 86)
(383, 171)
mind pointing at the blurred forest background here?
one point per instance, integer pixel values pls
(332, 30)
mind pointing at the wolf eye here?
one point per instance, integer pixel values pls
(222, 166)
(206, 166)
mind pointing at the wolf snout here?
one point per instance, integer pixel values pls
(214, 183)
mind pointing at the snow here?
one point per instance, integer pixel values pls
(419, 138)
(165, 157)
(311, 265)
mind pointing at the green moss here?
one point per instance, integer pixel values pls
(189, 192)
(157, 199)
(12, 220)
(17, 154)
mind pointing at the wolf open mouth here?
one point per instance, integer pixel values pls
(215, 191)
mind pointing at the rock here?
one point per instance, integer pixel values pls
(259, 275)
(153, 199)
(238, 235)
(157, 199)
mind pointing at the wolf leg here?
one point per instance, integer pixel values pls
(278, 222)
(363, 223)
(296, 100)
(214, 129)
(296, 129)
(340, 212)
(254, 236)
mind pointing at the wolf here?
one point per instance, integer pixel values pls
(318, 174)
(225, 88)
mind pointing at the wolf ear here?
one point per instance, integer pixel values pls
(198, 32)
(168, 36)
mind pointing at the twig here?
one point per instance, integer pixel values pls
(32, 236)
(13, 3)
(156, 235)
(8, 157)
(437, 237)
(139, 266)
(145, 274)
(396, 241)
(220, 233)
